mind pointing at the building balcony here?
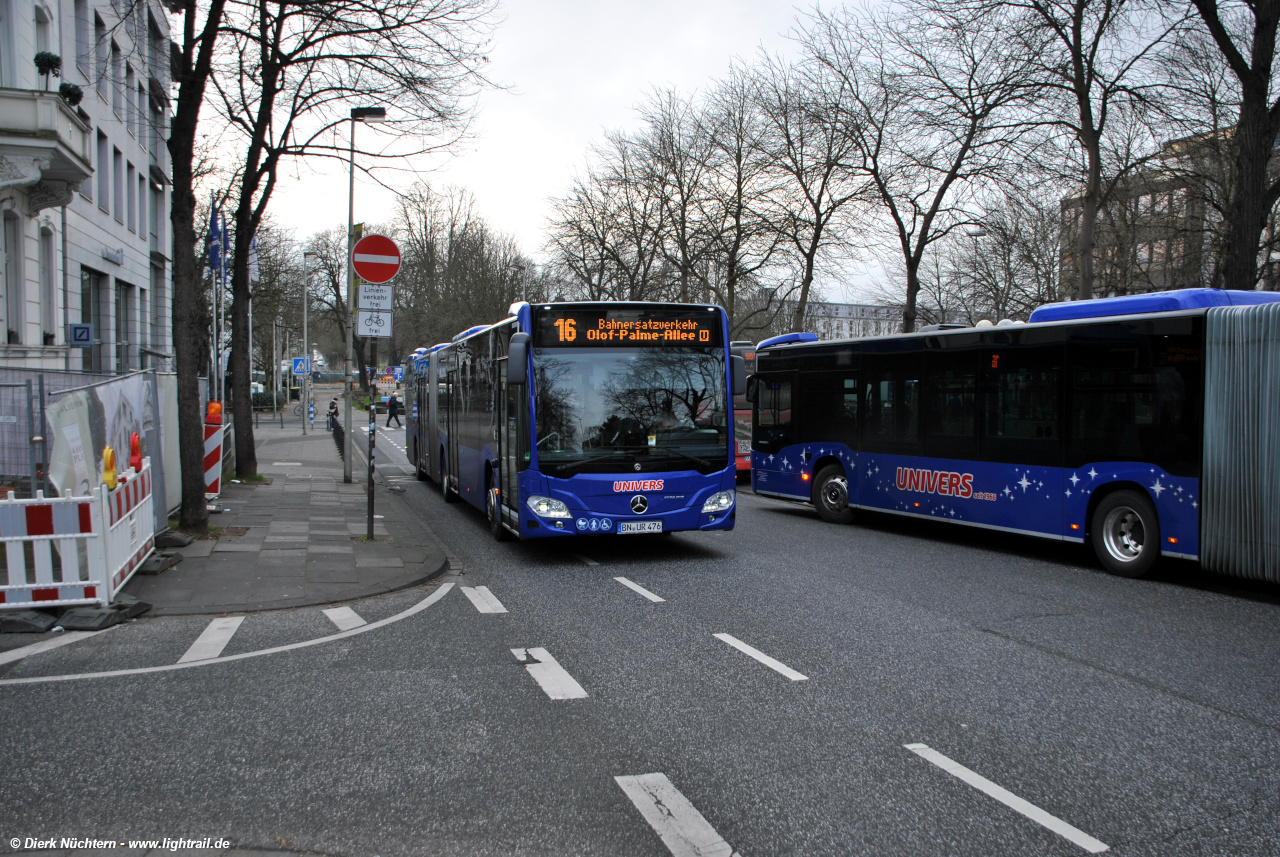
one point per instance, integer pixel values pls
(44, 146)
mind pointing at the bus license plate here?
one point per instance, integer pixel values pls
(639, 527)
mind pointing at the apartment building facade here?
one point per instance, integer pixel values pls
(84, 187)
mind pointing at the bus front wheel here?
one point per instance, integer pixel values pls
(446, 488)
(495, 515)
(831, 495)
(1125, 534)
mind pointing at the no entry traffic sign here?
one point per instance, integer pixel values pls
(376, 258)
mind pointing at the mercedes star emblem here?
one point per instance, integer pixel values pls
(637, 465)
(639, 504)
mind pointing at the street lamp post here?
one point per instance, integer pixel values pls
(306, 341)
(358, 114)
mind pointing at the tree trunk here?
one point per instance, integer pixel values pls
(192, 72)
(913, 292)
(1247, 217)
(240, 364)
(1089, 204)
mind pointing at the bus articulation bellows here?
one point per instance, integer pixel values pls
(1144, 425)
(582, 418)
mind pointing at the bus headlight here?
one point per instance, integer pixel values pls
(721, 501)
(546, 507)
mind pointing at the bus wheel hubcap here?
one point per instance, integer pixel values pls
(835, 494)
(1123, 534)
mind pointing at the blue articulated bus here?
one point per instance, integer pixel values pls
(583, 418)
(1143, 425)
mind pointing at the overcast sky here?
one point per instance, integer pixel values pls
(573, 69)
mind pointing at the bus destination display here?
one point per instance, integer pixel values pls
(595, 327)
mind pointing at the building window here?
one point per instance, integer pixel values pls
(141, 116)
(130, 108)
(118, 175)
(13, 286)
(142, 205)
(100, 55)
(92, 290)
(131, 214)
(126, 306)
(82, 37)
(104, 173)
(43, 22)
(8, 31)
(48, 294)
(117, 79)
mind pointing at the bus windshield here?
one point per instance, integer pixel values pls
(643, 410)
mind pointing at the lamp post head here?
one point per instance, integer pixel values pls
(369, 114)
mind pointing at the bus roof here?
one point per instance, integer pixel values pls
(1180, 299)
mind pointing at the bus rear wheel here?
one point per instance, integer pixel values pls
(831, 495)
(1125, 534)
(495, 515)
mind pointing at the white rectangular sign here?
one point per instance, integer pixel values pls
(373, 323)
(373, 296)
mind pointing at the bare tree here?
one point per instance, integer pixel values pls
(1240, 29)
(736, 210)
(287, 73)
(930, 106)
(1094, 61)
(810, 158)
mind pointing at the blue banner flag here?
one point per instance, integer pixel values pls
(217, 241)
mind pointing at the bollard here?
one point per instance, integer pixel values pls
(373, 433)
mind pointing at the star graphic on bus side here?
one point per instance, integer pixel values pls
(1075, 480)
(1158, 488)
(1024, 483)
(1068, 492)
(1093, 474)
(1007, 492)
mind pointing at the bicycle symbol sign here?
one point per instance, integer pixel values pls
(373, 323)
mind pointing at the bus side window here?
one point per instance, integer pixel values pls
(828, 404)
(891, 407)
(1022, 418)
(950, 405)
(773, 416)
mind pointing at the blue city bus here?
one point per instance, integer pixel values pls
(583, 418)
(1142, 425)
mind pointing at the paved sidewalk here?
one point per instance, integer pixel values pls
(297, 541)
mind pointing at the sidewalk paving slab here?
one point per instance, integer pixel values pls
(303, 539)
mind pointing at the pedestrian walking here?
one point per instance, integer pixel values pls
(333, 414)
(393, 411)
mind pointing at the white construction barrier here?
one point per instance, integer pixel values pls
(64, 551)
(213, 452)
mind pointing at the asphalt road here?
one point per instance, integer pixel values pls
(934, 691)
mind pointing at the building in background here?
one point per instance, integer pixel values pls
(1163, 227)
(84, 188)
(850, 321)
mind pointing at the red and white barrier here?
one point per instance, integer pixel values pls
(62, 551)
(213, 435)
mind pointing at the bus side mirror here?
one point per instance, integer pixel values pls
(739, 366)
(518, 359)
(753, 388)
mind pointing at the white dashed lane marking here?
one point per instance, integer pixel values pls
(762, 657)
(51, 643)
(588, 560)
(635, 587)
(1039, 816)
(554, 680)
(214, 639)
(344, 618)
(483, 599)
(677, 821)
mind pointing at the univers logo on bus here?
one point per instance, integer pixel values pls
(935, 482)
(639, 485)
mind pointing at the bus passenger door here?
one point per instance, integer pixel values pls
(510, 443)
(775, 468)
(451, 420)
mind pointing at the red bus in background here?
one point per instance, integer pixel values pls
(742, 408)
